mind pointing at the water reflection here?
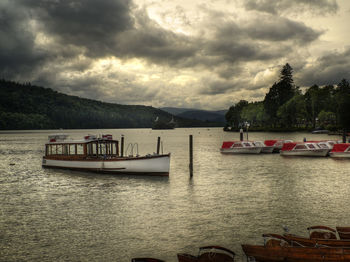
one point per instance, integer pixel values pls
(50, 215)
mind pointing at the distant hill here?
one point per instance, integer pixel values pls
(25, 106)
(203, 115)
(176, 110)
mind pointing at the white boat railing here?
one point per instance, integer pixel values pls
(132, 147)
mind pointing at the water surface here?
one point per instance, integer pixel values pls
(56, 215)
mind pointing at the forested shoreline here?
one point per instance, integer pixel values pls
(287, 108)
(26, 106)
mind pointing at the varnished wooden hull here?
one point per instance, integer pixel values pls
(303, 241)
(296, 254)
(209, 254)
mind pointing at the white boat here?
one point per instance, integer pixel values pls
(303, 149)
(326, 144)
(264, 148)
(240, 147)
(341, 150)
(275, 144)
(101, 155)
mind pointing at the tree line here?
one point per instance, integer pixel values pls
(286, 107)
(26, 106)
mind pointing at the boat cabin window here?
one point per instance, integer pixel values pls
(300, 147)
(278, 143)
(94, 149)
(311, 146)
(246, 144)
(72, 149)
(322, 145)
(237, 145)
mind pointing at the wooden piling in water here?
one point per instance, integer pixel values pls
(158, 145)
(122, 146)
(191, 156)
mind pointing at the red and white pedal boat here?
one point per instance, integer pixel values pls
(101, 155)
(303, 149)
(275, 145)
(240, 147)
(340, 150)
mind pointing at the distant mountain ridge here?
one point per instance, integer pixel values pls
(26, 106)
(198, 114)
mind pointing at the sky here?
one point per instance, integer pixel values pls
(173, 53)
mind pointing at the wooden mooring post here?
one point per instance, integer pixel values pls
(122, 146)
(158, 145)
(241, 134)
(191, 156)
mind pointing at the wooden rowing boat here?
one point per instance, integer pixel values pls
(325, 232)
(278, 253)
(294, 240)
(146, 259)
(209, 254)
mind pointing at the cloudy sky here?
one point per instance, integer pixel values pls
(199, 54)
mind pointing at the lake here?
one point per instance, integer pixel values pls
(58, 215)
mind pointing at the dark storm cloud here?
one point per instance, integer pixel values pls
(17, 46)
(94, 29)
(280, 6)
(221, 86)
(85, 23)
(272, 28)
(148, 40)
(55, 43)
(268, 28)
(254, 40)
(329, 69)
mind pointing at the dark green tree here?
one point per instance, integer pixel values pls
(343, 99)
(280, 93)
(233, 115)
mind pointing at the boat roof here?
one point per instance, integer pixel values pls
(62, 139)
(290, 145)
(340, 147)
(228, 144)
(270, 142)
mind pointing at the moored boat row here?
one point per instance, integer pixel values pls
(252, 147)
(288, 148)
(321, 245)
(205, 254)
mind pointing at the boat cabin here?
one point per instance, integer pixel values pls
(300, 146)
(343, 147)
(89, 147)
(236, 144)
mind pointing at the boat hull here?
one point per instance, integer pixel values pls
(296, 254)
(267, 149)
(340, 154)
(148, 165)
(302, 241)
(253, 150)
(317, 152)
